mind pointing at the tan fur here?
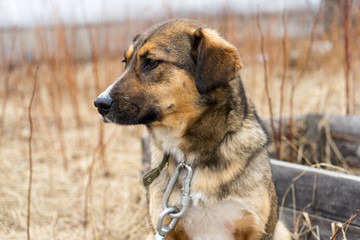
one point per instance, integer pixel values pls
(194, 105)
(129, 52)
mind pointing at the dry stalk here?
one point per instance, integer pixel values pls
(4, 105)
(88, 195)
(283, 78)
(107, 185)
(88, 189)
(309, 204)
(330, 166)
(30, 156)
(93, 222)
(292, 188)
(332, 144)
(294, 148)
(6, 87)
(106, 188)
(346, 223)
(70, 77)
(356, 81)
(300, 76)
(296, 219)
(266, 77)
(346, 13)
(56, 97)
(95, 68)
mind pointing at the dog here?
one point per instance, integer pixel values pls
(182, 81)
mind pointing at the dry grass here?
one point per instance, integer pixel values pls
(86, 176)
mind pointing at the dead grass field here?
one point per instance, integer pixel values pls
(66, 204)
(87, 174)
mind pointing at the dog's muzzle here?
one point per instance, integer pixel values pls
(104, 104)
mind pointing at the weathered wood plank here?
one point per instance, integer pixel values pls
(336, 196)
(324, 225)
(341, 127)
(345, 128)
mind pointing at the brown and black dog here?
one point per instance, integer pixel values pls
(182, 81)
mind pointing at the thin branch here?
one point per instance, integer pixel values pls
(300, 76)
(7, 83)
(266, 77)
(347, 222)
(95, 68)
(30, 156)
(284, 43)
(346, 13)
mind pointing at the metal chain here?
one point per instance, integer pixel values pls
(173, 212)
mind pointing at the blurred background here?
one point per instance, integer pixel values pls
(301, 57)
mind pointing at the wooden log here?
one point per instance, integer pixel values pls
(350, 151)
(341, 127)
(328, 194)
(345, 128)
(323, 133)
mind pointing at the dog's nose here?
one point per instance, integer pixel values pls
(103, 104)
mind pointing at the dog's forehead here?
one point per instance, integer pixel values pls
(170, 29)
(163, 34)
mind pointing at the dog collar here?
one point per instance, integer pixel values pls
(151, 175)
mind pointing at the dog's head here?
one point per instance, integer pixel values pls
(168, 70)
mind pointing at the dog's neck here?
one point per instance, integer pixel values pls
(201, 134)
(168, 140)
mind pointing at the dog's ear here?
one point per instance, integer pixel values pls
(137, 35)
(217, 61)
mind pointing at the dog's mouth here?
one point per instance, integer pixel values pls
(125, 112)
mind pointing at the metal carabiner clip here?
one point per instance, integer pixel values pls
(173, 212)
(185, 199)
(163, 230)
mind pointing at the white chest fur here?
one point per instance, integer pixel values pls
(213, 222)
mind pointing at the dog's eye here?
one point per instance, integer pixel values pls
(150, 64)
(124, 60)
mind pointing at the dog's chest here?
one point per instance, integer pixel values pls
(217, 221)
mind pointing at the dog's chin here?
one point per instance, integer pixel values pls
(123, 118)
(104, 119)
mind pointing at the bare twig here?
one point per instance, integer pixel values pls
(56, 100)
(56, 97)
(30, 156)
(7, 81)
(284, 43)
(346, 13)
(105, 201)
(347, 222)
(300, 76)
(309, 204)
(88, 196)
(88, 189)
(69, 67)
(95, 68)
(266, 77)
